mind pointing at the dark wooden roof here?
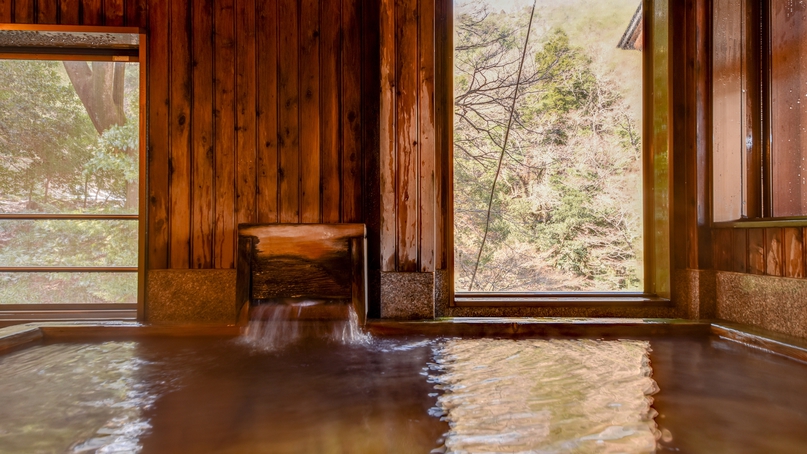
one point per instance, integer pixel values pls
(632, 39)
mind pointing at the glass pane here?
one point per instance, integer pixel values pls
(67, 288)
(68, 243)
(69, 137)
(564, 213)
(789, 107)
(729, 102)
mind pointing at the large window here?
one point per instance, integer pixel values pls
(759, 156)
(548, 167)
(70, 160)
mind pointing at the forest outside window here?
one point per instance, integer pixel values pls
(548, 167)
(759, 143)
(70, 167)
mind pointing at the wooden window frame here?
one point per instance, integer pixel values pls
(17, 313)
(759, 194)
(657, 173)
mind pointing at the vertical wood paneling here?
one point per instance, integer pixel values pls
(288, 89)
(756, 251)
(723, 246)
(426, 142)
(47, 12)
(388, 151)
(256, 114)
(203, 151)
(158, 150)
(406, 132)
(245, 112)
(330, 138)
(224, 125)
(92, 12)
(5, 10)
(69, 12)
(309, 110)
(135, 12)
(793, 259)
(114, 11)
(180, 135)
(267, 111)
(351, 111)
(739, 255)
(773, 252)
(24, 11)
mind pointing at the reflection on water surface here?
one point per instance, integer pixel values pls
(546, 396)
(220, 395)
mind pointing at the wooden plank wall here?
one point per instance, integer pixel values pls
(255, 114)
(768, 251)
(407, 134)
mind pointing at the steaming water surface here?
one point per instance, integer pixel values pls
(400, 395)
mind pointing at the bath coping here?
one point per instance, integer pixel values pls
(606, 328)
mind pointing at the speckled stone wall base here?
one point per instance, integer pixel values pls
(774, 303)
(186, 297)
(407, 296)
(694, 293)
(442, 293)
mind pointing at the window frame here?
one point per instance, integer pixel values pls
(17, 313)
(759, 195)
(656, 168)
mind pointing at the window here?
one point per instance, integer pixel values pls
(759, 97)
(70, 168)
(548, 153)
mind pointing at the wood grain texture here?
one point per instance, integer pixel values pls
(773, 252)
(793, 259)
(245, 117)
(427, 139)
(203, 151)
(114, 12)
(406, 133)
(92, 12)
(180, 135)
(756, 251)
(69, 13)
(330, 110)
(5, 10)
(289, 105)
(387, 138)
(739, 251)
(137, 10)
(309, 110)
(723, 245)
(267, 111)
(47, 12)
(158, 137)
(224, 126)
(351, 111)
(24, 11)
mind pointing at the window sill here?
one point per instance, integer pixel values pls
(762, 223)
(570, 299)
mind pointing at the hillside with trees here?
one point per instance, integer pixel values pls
(69, 139)
(565, 214)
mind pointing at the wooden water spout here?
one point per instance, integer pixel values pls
(322, 267)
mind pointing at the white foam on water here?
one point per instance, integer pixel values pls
(274, 327)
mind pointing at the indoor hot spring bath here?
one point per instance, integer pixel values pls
(397, 388)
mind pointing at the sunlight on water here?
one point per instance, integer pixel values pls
(273, 327)
(569, 396)
(73, 398)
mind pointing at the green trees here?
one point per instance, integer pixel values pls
(62, 153)
(566, 213)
